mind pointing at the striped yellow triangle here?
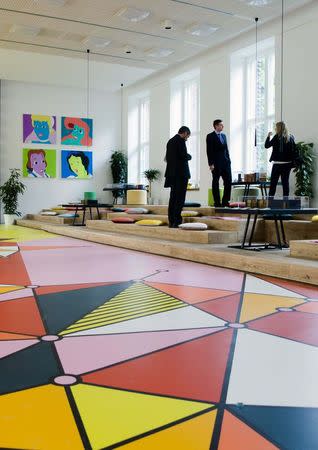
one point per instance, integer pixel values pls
(136, 301)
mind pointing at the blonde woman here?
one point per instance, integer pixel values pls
(282, 157)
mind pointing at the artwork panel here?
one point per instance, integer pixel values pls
(76, 131)
(38, 163)
(39, 129)
(76, 164)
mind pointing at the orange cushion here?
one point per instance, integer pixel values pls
(123, 220)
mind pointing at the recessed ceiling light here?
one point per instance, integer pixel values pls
(167, 24)
(25, 30)
(51, 2)
(201, 29)
(133, 14)
(160, 52)
(96, 42)
(257, 2)
(127, 49)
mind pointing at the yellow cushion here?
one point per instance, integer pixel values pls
(189, 213)
(314, 219)
(149, 222)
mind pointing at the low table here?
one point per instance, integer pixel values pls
(278, 215)
(83, 207)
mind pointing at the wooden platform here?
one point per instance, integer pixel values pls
(294, 230)
(304, 249)
(276, 263)
(50, 219)
(163, 232)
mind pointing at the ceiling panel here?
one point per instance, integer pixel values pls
(65, 28)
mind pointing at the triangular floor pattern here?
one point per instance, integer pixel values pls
(236, 433)
(111, 416)
(193, 370)
(39, 418)
(290, 428)
(136, 301)
(193, 434)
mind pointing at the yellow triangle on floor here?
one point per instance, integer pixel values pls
(193, 434)
(136, 301)
(111, 416)
(9, 288)
(259, 305)
(14, 233)
(38, 418)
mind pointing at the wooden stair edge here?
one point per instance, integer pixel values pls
(286, 268)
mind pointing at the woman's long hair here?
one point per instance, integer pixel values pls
(281, 131)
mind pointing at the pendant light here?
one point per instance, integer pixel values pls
(256, 79)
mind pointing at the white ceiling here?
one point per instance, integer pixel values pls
(63, 29)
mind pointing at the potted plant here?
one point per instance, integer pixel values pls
(304, 169)
(9, 192)
(118, 165)
(151, 175)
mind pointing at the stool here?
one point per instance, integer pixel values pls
(136, 197)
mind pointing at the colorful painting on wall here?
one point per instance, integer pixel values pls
(39, 129)
(76, 164)
(39, 163)
(76, 131)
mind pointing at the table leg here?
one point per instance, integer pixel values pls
(84, 212)
(253, 230)
(75, 214)
(90, 213)
(246, 230)
(98, 215)
(277, 232)
(283, 233)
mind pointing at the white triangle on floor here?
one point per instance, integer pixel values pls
(178, 319)
(7, 251)
(257, 286)
(273, 371)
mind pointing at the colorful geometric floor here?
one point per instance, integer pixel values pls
(104, 348)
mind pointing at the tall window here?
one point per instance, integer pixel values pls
(185, 110)
(252, 107)
(138, 137)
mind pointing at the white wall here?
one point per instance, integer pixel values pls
(18, 98)
(299, 101)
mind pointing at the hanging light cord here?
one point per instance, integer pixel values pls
(256, 77)
(282, 65)
(87, 81)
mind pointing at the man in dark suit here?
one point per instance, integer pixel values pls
(219, 163)
(177, 174)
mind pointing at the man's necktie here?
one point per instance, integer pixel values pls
(221, 138)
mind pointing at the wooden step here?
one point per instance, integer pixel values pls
(275, 263)
(50, 219)
(163, 209)
(163, 232)
(304, 249)
(294, 230)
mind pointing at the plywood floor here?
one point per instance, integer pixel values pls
(104, 348)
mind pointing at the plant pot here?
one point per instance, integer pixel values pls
(9, 219)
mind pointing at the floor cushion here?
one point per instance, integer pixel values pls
(123, 219)
(189, 213)
(68, 215)
(149, 222)
(314, 219)
(237, 204)
(193, 226)
(137, 211)
(115, 209)
(48, 213)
